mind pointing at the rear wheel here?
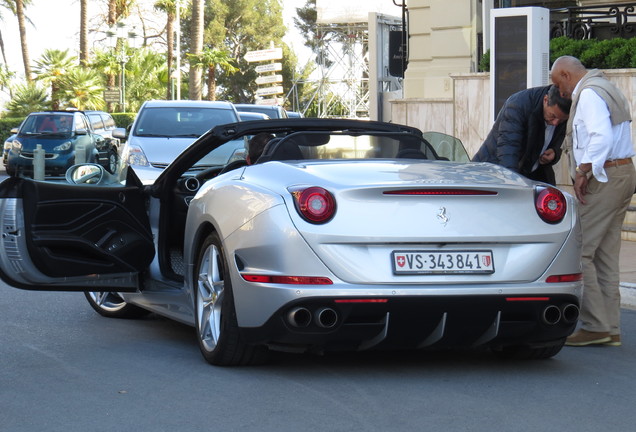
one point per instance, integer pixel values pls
(529, 353)
(112, 305)
(216, 324)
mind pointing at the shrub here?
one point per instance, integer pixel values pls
(123, 120)
(484, 63)
(566, 46)
(6, 124)
(606, 54)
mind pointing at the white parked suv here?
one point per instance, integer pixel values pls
(164, 128)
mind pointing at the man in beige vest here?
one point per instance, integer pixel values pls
(599, 146)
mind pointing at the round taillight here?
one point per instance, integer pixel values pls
(315, 204)
(550, 204)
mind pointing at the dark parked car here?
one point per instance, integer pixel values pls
(295, 114)
(60, 134)
(273, 111)
(7, 145)
(104, 124)
(247, 116)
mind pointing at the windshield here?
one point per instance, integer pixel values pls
(319, 145)
(181, 121)
(47, 124)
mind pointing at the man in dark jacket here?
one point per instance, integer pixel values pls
(528, 133)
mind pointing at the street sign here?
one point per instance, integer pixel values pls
(272, 67)
(269, 79)
(264, 55)
(111, 95)
(275, 101)
(269, 91)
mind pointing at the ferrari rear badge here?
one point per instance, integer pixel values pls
(442, 216)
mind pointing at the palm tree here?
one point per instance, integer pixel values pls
(117, 9)
(210, 59)
(83, 89)
(19, 11)
(8, 4)
(5, 79)
(196, 48)
(149, 76)
(170, 8)
(51, 69)
(83, 52)
(28, 97)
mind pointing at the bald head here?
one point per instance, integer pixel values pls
(565, 74)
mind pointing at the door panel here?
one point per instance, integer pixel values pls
(76, 231)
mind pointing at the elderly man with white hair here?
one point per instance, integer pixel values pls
(599, 147)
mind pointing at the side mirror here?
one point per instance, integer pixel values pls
(85, 174)
(120, 133)
(81, 132)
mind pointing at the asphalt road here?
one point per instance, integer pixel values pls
(65, 368)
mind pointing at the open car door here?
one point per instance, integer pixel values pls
(71, 237)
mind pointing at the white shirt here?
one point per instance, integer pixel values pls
(594, 139)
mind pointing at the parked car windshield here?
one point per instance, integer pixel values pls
(180, 121)
(46, 124)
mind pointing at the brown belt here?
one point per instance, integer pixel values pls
(617, 162)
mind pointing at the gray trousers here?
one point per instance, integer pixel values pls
(601, 222)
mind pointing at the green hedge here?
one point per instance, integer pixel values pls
(606, 54)
(7, 123)
(123, 119)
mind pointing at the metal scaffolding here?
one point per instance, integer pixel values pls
(341, 81)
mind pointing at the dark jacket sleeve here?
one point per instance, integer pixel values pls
(508, 144)
(512, 131)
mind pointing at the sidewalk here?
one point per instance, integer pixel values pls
(628, 273)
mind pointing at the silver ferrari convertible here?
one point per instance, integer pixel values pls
(343, 235)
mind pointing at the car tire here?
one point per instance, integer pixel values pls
(111, 305)
(529, 353)
(215, 314)
(112, 160)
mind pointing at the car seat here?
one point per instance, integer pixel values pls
(285, 149)
(47, 125)
(410, 154)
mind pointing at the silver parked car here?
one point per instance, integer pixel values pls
(344, 234)
(164, 128)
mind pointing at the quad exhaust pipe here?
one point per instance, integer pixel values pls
(551, 315)
(567, 314)
(326, 317)
(570, 313)
(301, 317)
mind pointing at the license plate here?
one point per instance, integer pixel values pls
(442, 262)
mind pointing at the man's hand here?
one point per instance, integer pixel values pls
(580, 187)
(547, 157)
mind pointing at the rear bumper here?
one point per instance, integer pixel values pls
(419, 323)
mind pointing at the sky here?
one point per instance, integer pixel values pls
(55, 25)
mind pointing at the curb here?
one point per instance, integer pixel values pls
(628, 294)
